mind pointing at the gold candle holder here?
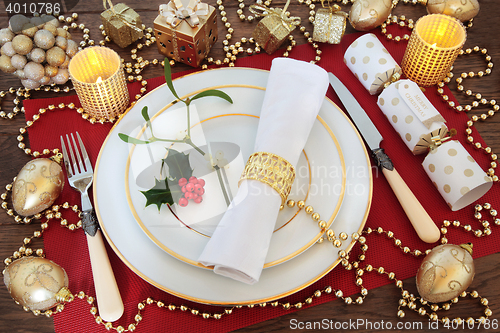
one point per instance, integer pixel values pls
(98, 77)
(434, 45)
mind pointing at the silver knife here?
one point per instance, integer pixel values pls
(421, 221)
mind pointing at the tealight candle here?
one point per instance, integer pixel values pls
(98, 77)
(434, 45)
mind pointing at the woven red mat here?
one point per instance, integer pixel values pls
(69, 248)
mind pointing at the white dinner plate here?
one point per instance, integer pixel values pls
(190, 282)
(320, 178)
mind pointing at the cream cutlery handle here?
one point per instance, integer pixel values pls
(421, 221)
(109, 301)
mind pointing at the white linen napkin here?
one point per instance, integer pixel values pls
(294, 94)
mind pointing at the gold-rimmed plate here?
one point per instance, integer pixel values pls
(184, 231)
(164, 271)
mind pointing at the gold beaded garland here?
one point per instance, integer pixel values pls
(408, 300)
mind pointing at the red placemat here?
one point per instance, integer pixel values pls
(69, 249)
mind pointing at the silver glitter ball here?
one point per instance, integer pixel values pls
(44, 39)
(6, 35)
(7, 49)
(37, 55)
(18, 61)
(34, 71)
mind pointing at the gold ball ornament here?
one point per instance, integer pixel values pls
(36, 283)
(368, 14)
(445, 272)
(37, 186)
(462, 10)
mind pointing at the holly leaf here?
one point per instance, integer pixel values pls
(161, 193)
(178, 165)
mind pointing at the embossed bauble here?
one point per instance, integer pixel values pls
(37, 186)
(368, 14)
(460, 9)
(445, 272)
(36, 283)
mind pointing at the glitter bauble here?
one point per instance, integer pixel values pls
(445, 272)
(462, 10)
(37, 186)
(44, 39)
(22, 44)
(368, 14)
(36, 283)
(6, 65)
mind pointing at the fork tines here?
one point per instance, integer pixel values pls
(74, 167)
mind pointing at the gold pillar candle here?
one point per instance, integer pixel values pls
(434, 45)
(98, 77)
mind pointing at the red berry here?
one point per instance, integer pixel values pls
(197, 186)
(199, 191)
(193, 180)
(189, 187)
(198, 199)
(188, 195)
(183, 189)
(194, 196)
(183, 202)
(201, 182)
(183, 181)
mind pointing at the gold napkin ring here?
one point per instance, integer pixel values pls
(272, 170)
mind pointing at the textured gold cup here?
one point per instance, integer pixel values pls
(98, 77)
(434, 45)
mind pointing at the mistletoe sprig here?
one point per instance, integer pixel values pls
(167, 191)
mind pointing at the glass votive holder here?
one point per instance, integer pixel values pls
(98, 77)
(434, 45)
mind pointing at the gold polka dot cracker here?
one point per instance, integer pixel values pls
(370, 62)
(456, 175)
(412, 115)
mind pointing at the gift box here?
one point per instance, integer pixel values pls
(274, 28)
(122, 24)
(186, 33)
(329, 25)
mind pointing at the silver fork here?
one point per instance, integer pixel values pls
(80, 176)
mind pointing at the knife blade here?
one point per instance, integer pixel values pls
(421, 221)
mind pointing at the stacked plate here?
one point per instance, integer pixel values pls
(162, 246)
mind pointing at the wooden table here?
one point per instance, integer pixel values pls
(381, 303)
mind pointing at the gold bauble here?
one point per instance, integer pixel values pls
(36, 283)
(462, 10)
(37, 186)
(445, 272)
(368, 14)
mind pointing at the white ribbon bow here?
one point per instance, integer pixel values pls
(174, 12)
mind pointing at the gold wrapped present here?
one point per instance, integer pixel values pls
(274, 28)
(329, 25)
(121, 23)
(186, 33)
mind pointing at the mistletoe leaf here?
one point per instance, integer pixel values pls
(178, 165)
(130, 139)
(162, 193)
(168, 77)
(213, 92)
(145, 115)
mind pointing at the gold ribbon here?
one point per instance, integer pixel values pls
(175, 12)
(288, 22)
(127, 19)
(437, 140)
